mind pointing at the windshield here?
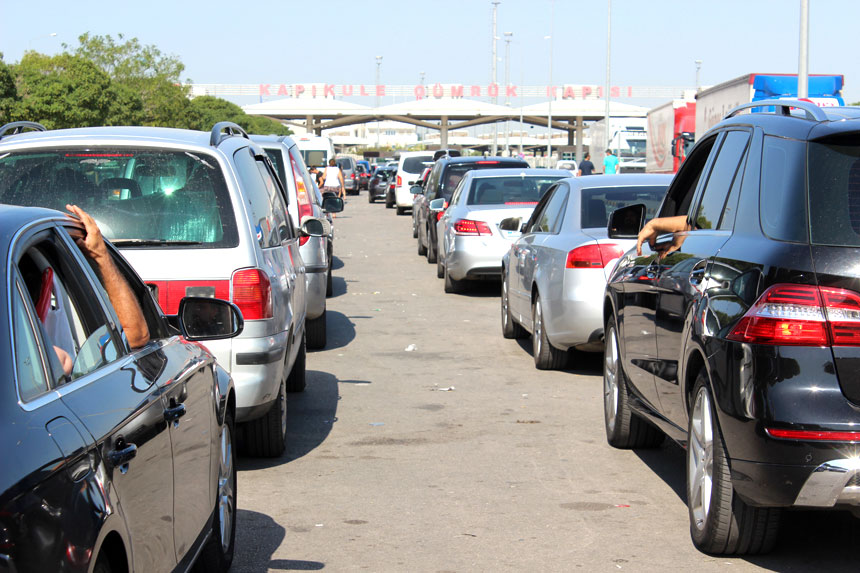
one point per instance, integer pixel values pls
(834, 192)
(514, 190)
(142, 194)
(455, 172)
(598, 202)
(314, 157)
(416, 165)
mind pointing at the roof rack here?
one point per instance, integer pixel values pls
(19, 126)
(230, 128)
(784, 106)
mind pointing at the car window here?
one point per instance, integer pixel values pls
(277, 158)
(722, 174)
(433, 181)
(415, 165)
(512, 190)
(133, 193)
(30, 358)
(455, 198)
(71, 317)
(834, 191)
(549, 220)
(304, 182)
(267, 210)
(598, 202)
(683, 187)
(783, 190)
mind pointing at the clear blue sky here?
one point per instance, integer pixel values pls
(654, 42)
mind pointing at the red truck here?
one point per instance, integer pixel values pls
(671, 131)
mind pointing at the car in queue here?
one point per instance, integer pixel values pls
(410, 166)
(418, 198)
(350, 177)
(362, 176)
(196, 214)
(441, 182)
(380, 184)
(555, 273)
(737, 335)
(316, 252)
(471, 243)
(122, 441)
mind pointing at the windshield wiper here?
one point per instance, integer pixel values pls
(151, 243)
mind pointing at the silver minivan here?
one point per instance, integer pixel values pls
(303, 202)
(196, 213)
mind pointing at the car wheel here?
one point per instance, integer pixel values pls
(440, 269)
(329, 289)
(720, 522)
(547, 356)
(422, 250)
(217, 555)
(316, 332)
(103, 564)
(510, 328)
(370, 197)
(401, 210)
(296, 380)
(453, 286)
(388, 202)
(624, 429)
(265, 437)
(432, 255)
(414, 229)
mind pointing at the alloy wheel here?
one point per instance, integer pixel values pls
(504, 302)
(700, 465)
(226, 495)
(610, 380)
(538, 329)
(282, 398)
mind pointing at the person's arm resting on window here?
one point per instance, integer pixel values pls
(660, 226)
(121, 296)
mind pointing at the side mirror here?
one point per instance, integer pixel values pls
(202, 318)
(332, 204)
(313, 227)
(626, 222)
(416, 190)
(510, 224)
(437, 204)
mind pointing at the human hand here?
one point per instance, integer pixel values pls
(648, 233)
(91, 243)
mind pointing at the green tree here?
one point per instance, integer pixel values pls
(205, 111)
(8, 92)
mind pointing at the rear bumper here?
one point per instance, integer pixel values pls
(575, 319)
(476, 257)
(771, 485)
(403, 197)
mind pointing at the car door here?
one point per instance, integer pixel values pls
(685, 272)
(120, 408)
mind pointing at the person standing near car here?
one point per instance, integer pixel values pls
(333, 180)
(610, 163)
(586, 167)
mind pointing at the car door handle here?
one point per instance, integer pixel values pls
(123, 454)
(175, 411)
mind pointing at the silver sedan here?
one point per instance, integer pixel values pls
(470, 243)
(554, 275)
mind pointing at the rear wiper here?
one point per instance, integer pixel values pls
(151, 243)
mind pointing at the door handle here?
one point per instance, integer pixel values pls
(174, 412)
(123, 454)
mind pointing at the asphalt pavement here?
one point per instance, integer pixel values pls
(427, 442)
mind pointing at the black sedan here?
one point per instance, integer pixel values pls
(738, 333)
(118, 458)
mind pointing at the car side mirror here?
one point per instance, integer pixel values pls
(510, 224)
(203, 318)
(437, 204)
(416, 190)
(626, 222)
(313, 227)
(332, 204)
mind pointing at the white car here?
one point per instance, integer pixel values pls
(409, 169)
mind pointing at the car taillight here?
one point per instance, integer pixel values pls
(469, 227)
(169, 293)
(595, 256)
(521, 202)
(399, 181)
(813, 435)
(801, 315)
(487, 162)
(391, 186)
(252, 293)
(304, 202)
(353, 175)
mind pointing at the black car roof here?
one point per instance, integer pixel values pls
(837, 120)
(13, 217)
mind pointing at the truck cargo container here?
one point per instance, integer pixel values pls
(671, 131)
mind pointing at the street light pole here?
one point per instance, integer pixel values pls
(551, 91)
(378, 65)
(507, 83)
(495, 4)
(803, 64)
(608, 60)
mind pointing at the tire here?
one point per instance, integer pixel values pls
(432, 255)
(217, 554)
(453, 286)
(329, 289)
(440, 270)
(401, 210)
(422, 250)
(370, 197)
(624, 429)
(720, 522)
(547, 356)
(510, 328)
(103, 564)
(296, 381)
(266, 437)
(414, 229)
(389, 203)
(316, 332)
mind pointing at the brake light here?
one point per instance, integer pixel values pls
(252, 293)
(521, 203)
(802, 315)
(487, 162)
(353, 175)
(594, 256)
(304, 203)
(399, 181)
(169, 293)
(815, 436)
(99, 154)
(391, 186)
(469, 227)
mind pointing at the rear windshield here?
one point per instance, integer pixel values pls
(313, 157)
(150, 196)
(416, 164)
(513, 190)
(598, 203)
(834, 192)
(456, 171)
(278, 161)
(344, 164)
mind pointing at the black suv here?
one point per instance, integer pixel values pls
(741, 340)
(443, 179)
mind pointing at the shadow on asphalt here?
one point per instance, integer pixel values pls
(338, 286)
(481, 289)
(310, 416)
(340, 330)
(258, 536)
(336, 263)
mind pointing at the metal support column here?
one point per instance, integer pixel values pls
(580, 128)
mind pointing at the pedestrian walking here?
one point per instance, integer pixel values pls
(610, 163)
(333, 181)
(586, 167)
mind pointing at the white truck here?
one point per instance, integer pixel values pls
(626, 139)
(712, 104)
